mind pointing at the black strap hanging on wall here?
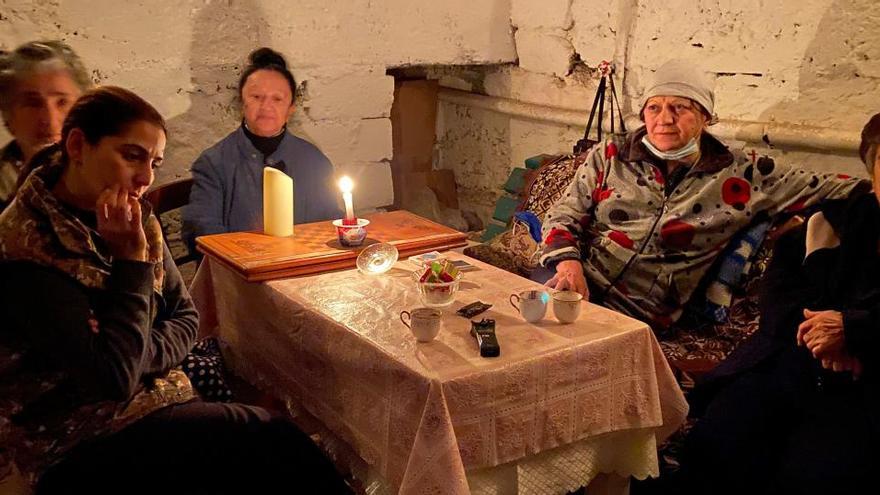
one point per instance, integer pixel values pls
(606, 70)
(616, 101)
(587, 143)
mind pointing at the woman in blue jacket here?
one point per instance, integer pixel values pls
(227, 193)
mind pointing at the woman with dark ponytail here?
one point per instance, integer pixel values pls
(228, 177)
(96, 322)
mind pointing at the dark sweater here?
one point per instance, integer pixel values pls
(265, 145)
(845, 279)
(140, 334)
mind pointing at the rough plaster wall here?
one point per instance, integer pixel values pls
(185, 57)
(482, 146)
(813, 62)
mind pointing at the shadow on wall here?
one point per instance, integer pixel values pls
(838, 79)
(223, 34)
(476, 144)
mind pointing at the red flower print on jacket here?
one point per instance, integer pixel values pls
(677, 234)
(602, 191)
(621, 238)
(658, 176)
(559, 235)
(736, 192)
(610, 151)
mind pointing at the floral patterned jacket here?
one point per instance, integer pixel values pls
(646, 239)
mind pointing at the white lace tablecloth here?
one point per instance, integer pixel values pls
(561, 404)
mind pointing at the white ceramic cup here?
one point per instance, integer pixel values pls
(532, 304)
(566, 305)
(424, 323)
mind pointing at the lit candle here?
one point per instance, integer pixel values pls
(346, 186)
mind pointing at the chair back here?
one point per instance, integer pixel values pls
(168, 197)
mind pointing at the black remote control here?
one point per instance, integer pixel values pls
(484, 332)
(473, 309)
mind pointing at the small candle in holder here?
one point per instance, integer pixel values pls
(351, 235)
(346, 186)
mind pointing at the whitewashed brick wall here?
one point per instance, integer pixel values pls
(812, 62)
(804, 62)
(185, 56)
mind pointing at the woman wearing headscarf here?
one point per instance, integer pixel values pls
(647, 214)
(96, 321)
(227, 193)
(796, 408)
(39, 81)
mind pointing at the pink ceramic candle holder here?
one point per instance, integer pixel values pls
(351, 235)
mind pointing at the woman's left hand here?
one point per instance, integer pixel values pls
(822, 332)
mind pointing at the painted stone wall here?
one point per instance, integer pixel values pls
(184, 56)
(809, 63)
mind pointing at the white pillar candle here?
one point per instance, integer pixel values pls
(277, 203)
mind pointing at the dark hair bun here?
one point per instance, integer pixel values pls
(264, 57)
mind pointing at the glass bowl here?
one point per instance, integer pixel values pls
(436, 294)
(377, 258)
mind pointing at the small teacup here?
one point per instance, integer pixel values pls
(532, 304)
(424, 323)
(567, 305)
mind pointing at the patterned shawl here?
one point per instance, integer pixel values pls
(49, 234)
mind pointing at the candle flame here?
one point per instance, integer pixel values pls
(345, 184)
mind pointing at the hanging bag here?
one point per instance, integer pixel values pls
(516, 248)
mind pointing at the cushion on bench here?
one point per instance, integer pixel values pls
(514, 249)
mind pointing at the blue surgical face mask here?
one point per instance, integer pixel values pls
(689, 149)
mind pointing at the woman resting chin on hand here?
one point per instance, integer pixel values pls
(97, 310)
